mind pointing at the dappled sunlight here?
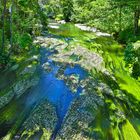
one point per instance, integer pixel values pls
(69, 70)
(130, 84)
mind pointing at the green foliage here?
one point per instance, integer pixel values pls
(129, 55)
(4, 59)
(67, 30)
(22, 42)
(0, 36)
(67, 7)
(110, 16)
(127, 36)
(136, 70)
(117, 17)
(25, 40)
(59, 17)
(21, 21)
(129, 132)
(53, 9)
(132, 58)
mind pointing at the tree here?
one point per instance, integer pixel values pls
(21, 20)
(135, 6)
(136, 18)
(3, 23)
(67, 7)
(11, 23)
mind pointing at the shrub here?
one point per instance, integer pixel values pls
(128, 36)
(132, 58)
(4, 59)
(23, 41)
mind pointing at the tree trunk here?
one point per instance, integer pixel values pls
(136, 19)
(3, 22)
(11, 23)
(120, 18)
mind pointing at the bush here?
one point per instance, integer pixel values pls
(23, 41)
(59, 17)
(129, 55)
(128, 36)
(4, 59)
(132, 58)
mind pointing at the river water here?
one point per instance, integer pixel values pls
(49, 87)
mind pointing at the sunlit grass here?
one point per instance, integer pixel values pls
(69, 30)
(126, 82)
(129, 133)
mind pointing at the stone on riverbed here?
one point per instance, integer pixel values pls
(17, 90)
(30, 69)
(92, 29)
(43, 116)
(79, 117)
(71, 54)
(47, 67)
(6, 98)
(26, 79)
(72, 82)
(47, 42)
(83, 56)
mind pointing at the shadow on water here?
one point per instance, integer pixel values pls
(6, 79)
(49, 87)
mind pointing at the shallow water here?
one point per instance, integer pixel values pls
(48, 87)
(57, 92)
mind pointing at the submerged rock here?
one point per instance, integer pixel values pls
(43, 117)
(79, 55)
(26, 79)
(72, 81)
(81, 113)
(79, 117)
(6, 98)
(47, 67)
(21, 86)
(47, 42)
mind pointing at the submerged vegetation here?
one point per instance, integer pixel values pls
(70, 70)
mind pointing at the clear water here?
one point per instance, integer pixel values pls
(48, 87)
(57, 92)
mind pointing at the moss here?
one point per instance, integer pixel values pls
(46, 135)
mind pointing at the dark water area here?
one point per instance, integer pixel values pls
(49, 87)
(6, 79)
